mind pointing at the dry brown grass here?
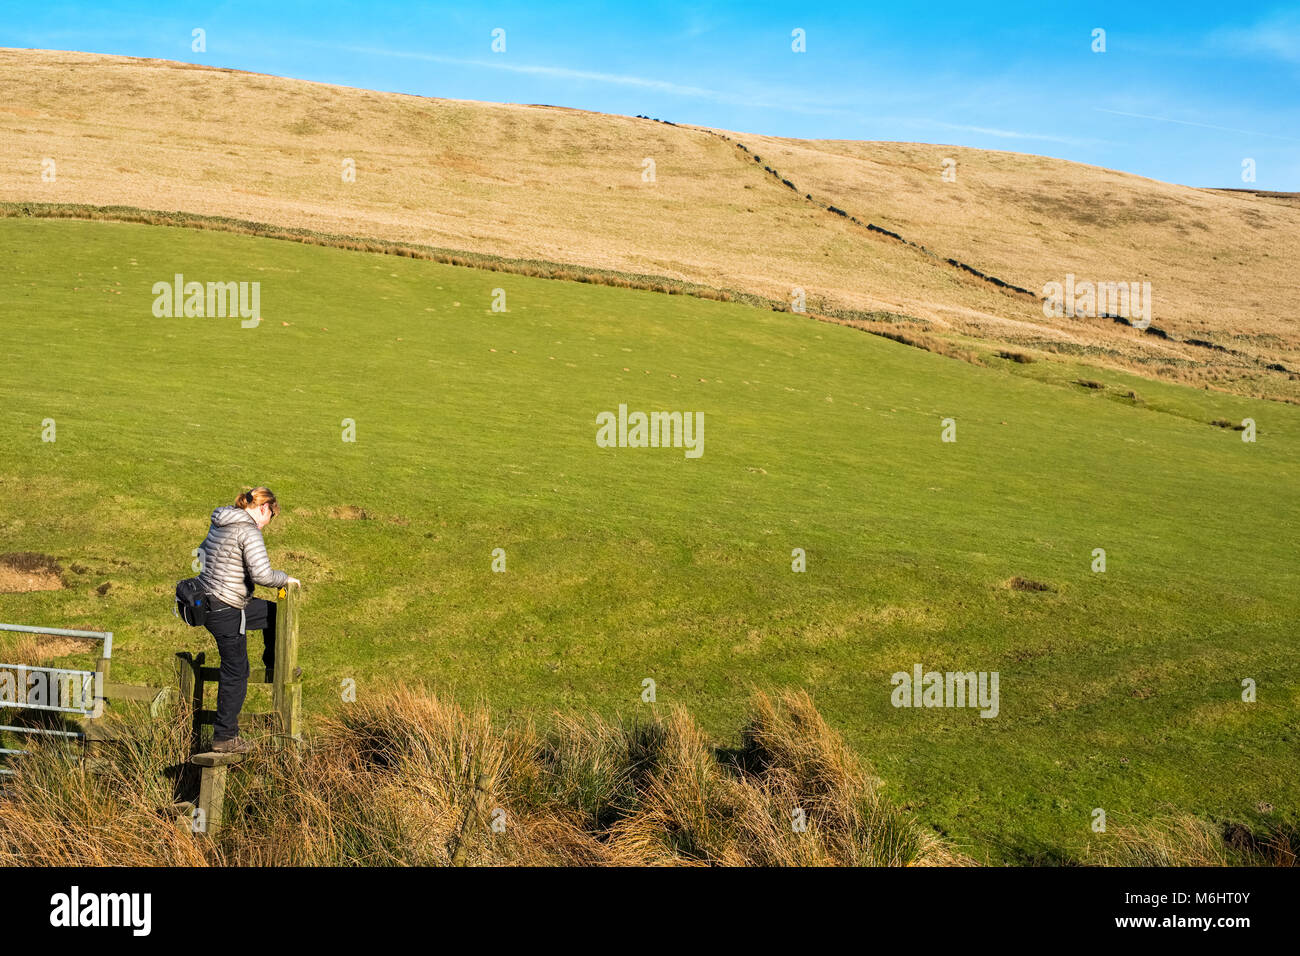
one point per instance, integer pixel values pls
(1021, 358)
(1184, 840)
(560, 192)
(35, 649)
(57, 811)
(389, 781)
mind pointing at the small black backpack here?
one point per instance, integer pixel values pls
(191, 602)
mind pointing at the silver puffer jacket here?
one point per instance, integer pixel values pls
(234, 558)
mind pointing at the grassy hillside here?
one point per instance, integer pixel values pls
(567, 186)
(475, 430)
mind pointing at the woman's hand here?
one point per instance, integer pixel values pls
(294, 581)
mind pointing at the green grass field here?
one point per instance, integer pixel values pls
(476, 430)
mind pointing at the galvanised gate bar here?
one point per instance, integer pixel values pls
(76, 692)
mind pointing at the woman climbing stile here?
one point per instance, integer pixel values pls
(233, 560)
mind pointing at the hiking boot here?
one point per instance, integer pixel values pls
(235, 745)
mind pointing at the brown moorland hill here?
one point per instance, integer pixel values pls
(567, 186)
(1222, 263)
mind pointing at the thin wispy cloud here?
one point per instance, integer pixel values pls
(1277, 37)
(699, 92)
(1011, 133)
(557, 72)
(1225, 129)
(591, 76)
(698, 26)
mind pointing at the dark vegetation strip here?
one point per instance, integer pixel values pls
(871, 226)
(537, 268)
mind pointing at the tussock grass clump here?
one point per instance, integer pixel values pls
(1018, 583)
(350, 513)
(929, 344)
(391, 781)
(1185, 840)
(799, 763)
(61, 810)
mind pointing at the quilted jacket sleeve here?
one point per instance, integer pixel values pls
(258, 564)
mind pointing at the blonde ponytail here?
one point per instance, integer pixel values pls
(256, 497)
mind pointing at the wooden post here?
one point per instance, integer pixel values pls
(212, 789)
(286, 691)
(104, 663)
(185, 678)
(473, 817)
(295, 710)
(189, 671)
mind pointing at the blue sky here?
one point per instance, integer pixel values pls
(1183, 92)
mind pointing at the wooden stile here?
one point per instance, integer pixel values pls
(284, 719)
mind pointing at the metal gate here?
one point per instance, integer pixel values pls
(58, 689)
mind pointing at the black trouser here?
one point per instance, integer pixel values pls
(232, 688)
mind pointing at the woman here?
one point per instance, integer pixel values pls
(233, 558)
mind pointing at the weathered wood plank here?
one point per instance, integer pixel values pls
(185, 678)
(285, 699)
(212, 795)
(188, 669)
(131, 692)
(295, 711)
(216, 759)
